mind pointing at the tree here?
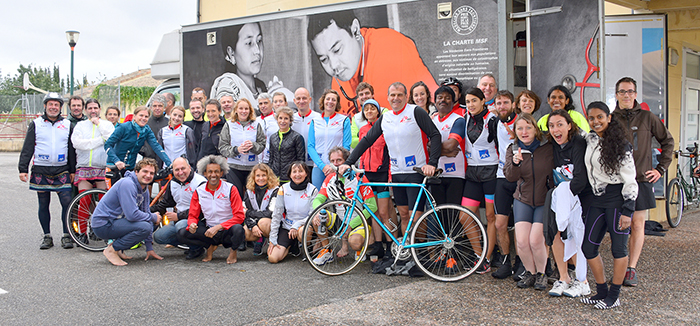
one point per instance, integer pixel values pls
(44, 78)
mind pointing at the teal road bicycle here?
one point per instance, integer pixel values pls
(446, 242)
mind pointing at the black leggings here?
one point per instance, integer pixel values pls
(64, 196)
(238, 178)
(230, 238)
(598, 222)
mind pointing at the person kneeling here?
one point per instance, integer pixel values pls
(128, 198)
(259, 199)
(220, 205)
(337, 187)
(291, 211)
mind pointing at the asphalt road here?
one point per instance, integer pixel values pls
(59, 286)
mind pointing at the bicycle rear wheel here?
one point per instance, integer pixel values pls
(462, 247)
(79, 213)
(321, 250)
(674, 202)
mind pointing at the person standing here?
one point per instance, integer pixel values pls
(197, 112)
(156, 122)
(76, 105)
(286, 145)
(611, 173)
(303, 118)
(643, 126)
(325, 132)
(176, 138)
(48, 144)
(487, 85)
(209, 139)
(268, 121)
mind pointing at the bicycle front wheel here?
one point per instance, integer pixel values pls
(328, 253)
(674, 202)
(79, 214)
(453, 254)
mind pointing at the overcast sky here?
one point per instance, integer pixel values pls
(116, 37)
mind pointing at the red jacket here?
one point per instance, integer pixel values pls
(376, 158)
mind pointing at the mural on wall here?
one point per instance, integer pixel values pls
(379, 45)
(565, 51)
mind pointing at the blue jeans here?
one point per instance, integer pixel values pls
(317, 177)
(125, 233)
(168, 234)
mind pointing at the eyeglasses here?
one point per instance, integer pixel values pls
(626, 91)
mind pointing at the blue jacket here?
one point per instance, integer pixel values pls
(125, 143)
(126, 199)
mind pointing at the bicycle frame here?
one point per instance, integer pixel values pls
(690, 188)
(356, 198)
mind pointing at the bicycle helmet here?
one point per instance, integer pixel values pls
(453, 81)
(53, 96)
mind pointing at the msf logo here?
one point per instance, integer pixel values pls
(405, 119)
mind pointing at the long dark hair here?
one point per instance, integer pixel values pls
(614, 145)
(574, 127)
(567, 94)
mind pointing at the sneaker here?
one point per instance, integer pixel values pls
(324, 256)
(588, 300)
(541, 282)
(357, 256)
(484, 268)
(66, 242)
(257, 248)
(295, 250)
(577, 289)
(558, 288)
(630, 277)
(46, 243)
(194, 253)
(601, 305)
(496, 257)
(527, 280)
(377, 250)
(242, 246)
(504, 271)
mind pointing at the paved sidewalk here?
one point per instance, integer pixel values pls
(668, 272)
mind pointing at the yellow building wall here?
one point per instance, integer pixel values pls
(683, 31)
(211, 10)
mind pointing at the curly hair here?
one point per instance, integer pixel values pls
(614, 143)
(323, 99)
(272, 181)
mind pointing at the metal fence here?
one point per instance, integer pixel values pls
(22, 104)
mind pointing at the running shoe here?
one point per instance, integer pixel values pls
(504, 271)
(519, 270)
(295, 250)
(257, 248)
(630, 277)
(603, 306)
(588, 300)
(527, 280)
(484, 268)
(357, 256)
(242, 246)
(66, 242)
(577, 289)
(558, 288)
(541, 281)
(46, 243)
(324, 256)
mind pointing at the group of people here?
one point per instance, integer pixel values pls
(565, 179)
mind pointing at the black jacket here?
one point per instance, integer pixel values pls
(574, 153)
(292, 148)
(209, 144)
(197, 127)
(167, 201)
(156, 124)
(251, 215)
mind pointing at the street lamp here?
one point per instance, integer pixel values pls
(72, 37)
